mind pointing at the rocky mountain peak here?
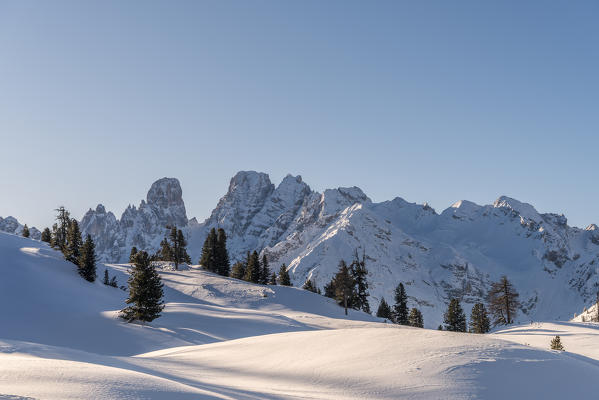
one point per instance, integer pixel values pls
(166, 192)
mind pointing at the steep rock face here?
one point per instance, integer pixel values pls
(142, 227)
(12, 225)
(456, 253)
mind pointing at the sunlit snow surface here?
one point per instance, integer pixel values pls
(221, 338)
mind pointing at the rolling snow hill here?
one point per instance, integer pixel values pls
(220, 338)
(456, 253)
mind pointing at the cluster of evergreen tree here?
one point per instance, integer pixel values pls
(173, 248)
(215, 256)
(109, 281)
(66, 237)
(256, 271)
(399, 313)
(311, 286)
(145, 291)
(349, 286)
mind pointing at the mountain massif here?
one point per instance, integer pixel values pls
(455, 253)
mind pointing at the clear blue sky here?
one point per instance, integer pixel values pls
(430, 101)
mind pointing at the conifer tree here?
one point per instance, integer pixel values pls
(145, 291)
(63, 221)
(238, 270)
(415, 318)
(310, 286)
(329, 289)
(208, 258)
(54, 240)
(252, 271)
(87, 260)
(25, 231)
(360, 274)
(113, 282)
(273, 279)
(479, 320)
(46, 235)
(344, 287)
(178, 247)
(72, 250)
(556, 344)
(264, 270)
(384, 310)
(503, 302)
(284, 279)
(400, 309)
(106, 280)
(222, 254)
(166, 252)
(132, 254)
(454, 318)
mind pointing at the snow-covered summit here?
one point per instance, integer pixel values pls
(11, 225)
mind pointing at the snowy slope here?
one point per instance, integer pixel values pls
(59, 339)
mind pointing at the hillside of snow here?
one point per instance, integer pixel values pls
(455, 253)
(220, 338)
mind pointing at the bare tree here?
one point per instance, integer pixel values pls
(503, 302)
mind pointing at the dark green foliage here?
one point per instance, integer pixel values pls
(166, 252)
(178, 247)
(400, 309)
(415, 318)
(556, 344)
(222, 254)
(329, 289)
(54, 238)
(273, 279)
(479, 320)
(384, 311)
(264, 271)
(252, 270)
(132, 254)
(72, 250)
(87, 260)
(113, 282)
(310, 286)
(145, 291)
(238, 270)
(60, 232)
(106, 280)
(440, 328)
(359, 275)
(46, 235)
(454, 318)
(344, 286)
(503, 302)
(25, 231)
(284, 279)
(208, 258)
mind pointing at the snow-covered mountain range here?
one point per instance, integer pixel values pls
(455, 253)
(12, 225)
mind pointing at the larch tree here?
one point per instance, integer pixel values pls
(344, 286)
(145, 291)
(503, 302)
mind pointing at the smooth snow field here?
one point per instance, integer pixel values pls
(220, 338)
